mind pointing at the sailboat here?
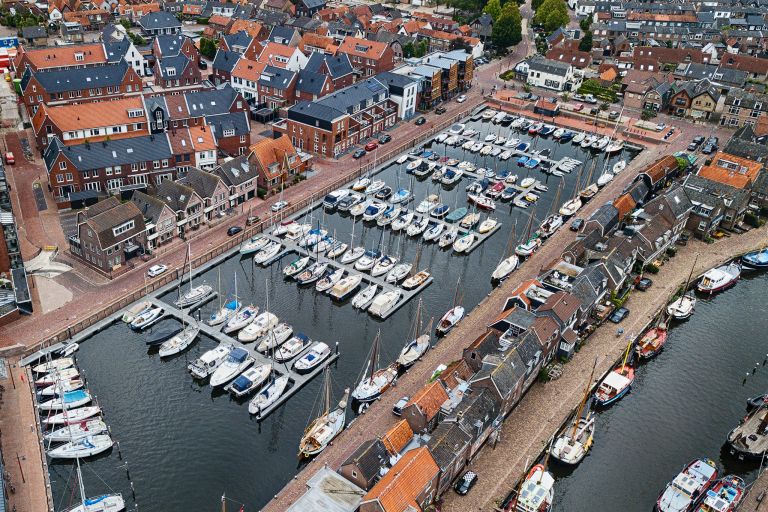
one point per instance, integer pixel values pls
(104, 503)
(420, 277)
(590, 190)
(269, 395)
(554, 221)
(576, 440)
(321, 431)
(375, 380)
(187, 335)
(418, 344)
(682, 307)
(573, 205)
(617, 383)
(196, 294)
(532, 242)
(536, 491)
(226, 310)
(453, 316)
(507, 264)
(652, 342)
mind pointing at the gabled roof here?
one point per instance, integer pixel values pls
(161, 19)
(476, 412)
(241, 39)
(216, 101)
(281, 34)
(236, 171)
(398, 489)
(272, 155)
(248, 69)
(170, 44)
(336, 65)
(225, 60)
(63, 80)
(731, 170)
(98, 155)
(175, 194)
(110, 215)
(429, 399)
(150, 206)
(552, 67)
(278, 78)
(311, 82)
(83, 116)
(397, 437)
(446, 443)
(177, 63)
(363, 48)
(220, 123)
(562, 304)
(369, 458)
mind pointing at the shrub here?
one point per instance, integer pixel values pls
(261, 193)
(508, 74)
(651, 268)
(202, 21)
(751, 219)
(671, 251)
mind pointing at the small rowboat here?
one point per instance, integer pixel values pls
(505, 268)
(449, 320)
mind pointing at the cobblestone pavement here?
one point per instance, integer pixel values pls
(757, 494)
(546, 406)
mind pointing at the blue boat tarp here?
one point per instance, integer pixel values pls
(232, 305)
(74, 396)
(241, 383)
(238, 355)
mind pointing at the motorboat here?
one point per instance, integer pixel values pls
(588, 141)
(413, 350)
(384, 303)
(527, 182)
(487, 226)
(242, 319)
(296, 266)
(614, 147)
(550, 225)
(517, 122)
(682, 307)
(522, 160)
(135, 310)
(601, 143)
(418, 227)
(567, 136)
(62, 387)
(416, 280)
(588, 192)
(558, 133)
(180, 342)
(81, 448)
(196, 295)
(258, 328)
(72, 416)
(456, 215)
(256, 243)
(528, 247)
(403, 221)
(364, 298)
(578, 138)
(249, 381)
(274, 338)
(76, 431)
(720, 278)
(67, 400)
(206, 364)
(546, 130)
(268, 396)
(428, 204)
(494, 192)
(451, 176)
(298, 231)
(413, 164)
(505, 155)
(292, 347)
(535, 128)
(511, 142)
(486, 203)
(469, 221)
(374, 187)
(508, 193)
(477, 186)
(434, 231)
(265, 255)
(58, 376)
(367, 260)
(536, 493)
(346, 287)
(463, 243)
(441, 137)
(604, 179)
(570, 207)
(490, 137)
(400, 160)
(323, 245)
(225, 312)
(756, 259)
(350, 200)
(146, 318)
(362, 183)
(282, 228)
(329, 280)
(236, 362)
(619, 166)
(688, 486)
(652, 342)
(312, 273)
(449, 320)
(401, 196)
(448, 237)
(352, 254)
(505, 268)
(468, 144)
(725, 495)
(457, 129)
(312, 359)
(374, 210)
(489, 114)
(55, 365)
(498, 118)
(615, 385)
(532, 163)
(476, 147)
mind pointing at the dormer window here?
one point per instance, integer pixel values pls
(79, 56)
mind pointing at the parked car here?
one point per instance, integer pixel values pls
(709, 149)
(613, 115)
(9, 158)
(698, 140)
(234, 230)
(397, 409)
(693, 146)
(578, 107)
(590, 99)
(461, 99)
(385, 138)
(359, 153)
(253, 219)
(619, 315)
(643, 284)
(578, 97)
(465, 483)
(576, 224)
(594, 111)
(279, 206)
(440, 110)
(156, 270)
(713, 140)
(420, 121)
(660, 126)
(371, 146)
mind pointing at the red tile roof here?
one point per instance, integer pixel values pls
(404, 482)
(396, 438)
(430, 398)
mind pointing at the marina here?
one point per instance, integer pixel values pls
(166, 399)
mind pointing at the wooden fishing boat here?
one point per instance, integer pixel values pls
(575, 441)
(748, 439)
(323, 429)
(724, 496)
(375, 380)
(652, 342)
(536, 492)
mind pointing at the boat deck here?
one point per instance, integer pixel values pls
(297, 380)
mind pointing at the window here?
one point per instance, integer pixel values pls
(63, 165)
(242, 138)
(69, 176)
(59, 178)
(156, 164)
(143, 166)
(165, 162)
(122, 228)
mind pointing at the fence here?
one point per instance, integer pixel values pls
(232, 243)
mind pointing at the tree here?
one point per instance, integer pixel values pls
(493, 9)
(207, 47)
(585, 23)
(408, 50)
(508, 31)
(461, 44)
(585, 44)
(552, 14)
(421, 48)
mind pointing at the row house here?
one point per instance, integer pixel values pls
(277, 162)
(243, 43)
(410, 484)
(173, 45)
(91, 19)
(757, 68)
(217, 26)
(449, 446)
(742, 108)
(134, 12)
(107, 166)
(107, 234)
(186, 204)
(159, 220)
(277, 87)
(309, 8)
(311, 86)
(245, 77)
(312, 42)
(159, 23)
(337, 67)
(78, 85)
(715, 205)
(339, 121)
(403, 90)
(224, 62)
(449, 75)
(282, 56)
(695, 99)
(97, 121)
(363, 466)
(118, 46)
(59, 57)
(240, 177)
(430, 88)
(422, 410)
(211, 189)
(284, 35)
(193, 146)
(645, 90)
(177, 71)
(368, 58)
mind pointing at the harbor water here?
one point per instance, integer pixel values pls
(184, 444)
(682, 406)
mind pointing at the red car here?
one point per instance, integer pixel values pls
(9, 158)
(578, 107)
(371, 146)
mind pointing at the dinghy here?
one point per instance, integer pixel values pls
(416, 280)
(363, 299)
(449, 320)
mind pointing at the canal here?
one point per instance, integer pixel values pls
(682, 405)
(185, 445)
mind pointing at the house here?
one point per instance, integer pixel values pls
(196, 145)
(715, 205)
(655, 176)
(506, 374)
(35, 35)
(245, 77)
(159, 219)
(756, 67)
(421, 410)
(338, 121)
(311, 86)
(243, 43)
(224, 63)
(430, 88)
(312, 42)
(449, 76)
(186, 204)
(731, 170)
(276, 161)
(173, 45)
(284, 35)
(277, 87)
(570, 54)
(602, 221)
(211, 189)
(410, 485)
(368, 58)
(240, 177)
(695, 99)
(337, 67)
(118, 46)
(746, 143)
(744, 108)
(59, 57)
(637, 85)
(483, 26)
(363, 466)
(658, 225)
(178, 71)
(403, 90)
(552, 74)
(107, 166)
(158, 23)
(107, 234)
(283, 56)
(309, 8)
(449, 445)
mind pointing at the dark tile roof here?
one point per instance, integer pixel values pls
(389, 78)
(241, 39)
(178, 63)
(338, 65)
(281, 34)
(98, 155)
(202, 182)
(63, 80)
(33, 32)
(554, 67)
(160, 19)
(312, 4)
(237, 121)
(211, 102)
(174, 194)
(237, 171)
(369, 458)
(112, 215)
(116, 50)
(149, 206)
(476, 412)
(311, 82)
(225, 60)
(446, 442)
(276, 77)
(170, 44)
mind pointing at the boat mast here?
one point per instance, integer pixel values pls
(80, 484)
(374, 355)
(582, 404)
(690, 275)
(626, 355)
(219, 279)
(556, 202)
(224, 502)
